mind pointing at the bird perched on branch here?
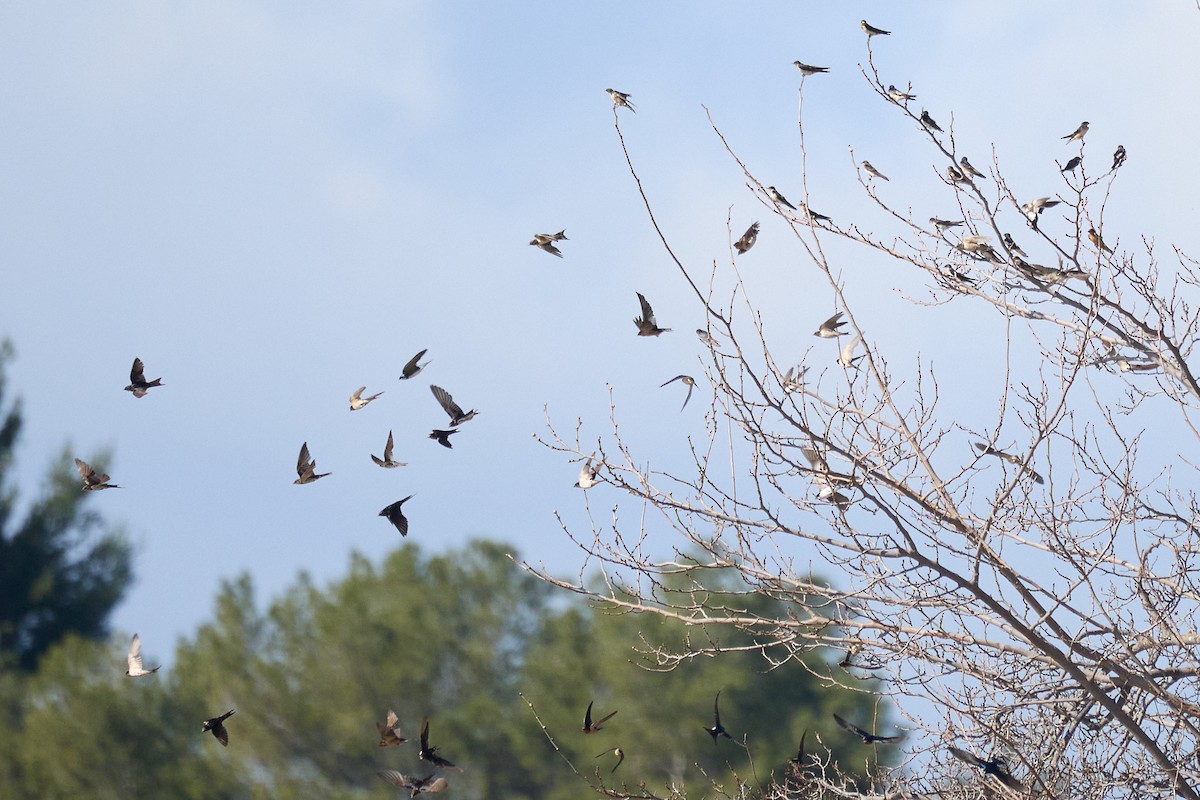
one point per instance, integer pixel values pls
(899, 96)
(988, 450)
(1118, 156)
(874, 173)
(620, 99)
(969, 169)
(1077, 134)
(774, 194)
(871, 30)
(928, 121)
(808, 69)
(1098, 241)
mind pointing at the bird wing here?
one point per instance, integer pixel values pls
(970, 758)
(850, 726)
(411, 367)
(85, 470)
(302, 464)
(833, 322)
(647, 311)
(395, 778)
(387, 448)
(424, 734)
(357, 394)
(138, 373)
(846, 358)
(135, 654)
(392, 719)
(587, 716)
(447, 402)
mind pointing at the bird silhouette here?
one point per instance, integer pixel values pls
(866, 736)
(428, 753)
(306, 467)
(646, 324)
(457, 415)
(135, 668)
(412, 367)
(1072, 164)
(137, 380)
(389, 731)
(717, 728)
(216, 726)
(969, 169)
(1118, 156)
(387, 462)
(592, 727)
(396, 516)
(995, 766)
(442, 437)
(93, 481)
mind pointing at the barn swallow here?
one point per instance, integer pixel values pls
(1098, 241)
(996, 766)
(1077, 134)
(866, 736)
(988, 450)
(135, 668)
(774, 194)
(928, 122)
(430, 783)
(866, 165)
(813, 216)
(1013, 247)
(846, 357)
(620, 99)
(592, 727)
(589, 475)
(396, 516)
(137, 380)
(1119, 156)
(457, 415)
(412, 367)
(1072, 164)
(389, 733)
(357, 401)
(387, 461)
(646, 324)
(899, 96)
(871, 30)
(217, 726)
(808, 69)
(705, 337)
(93, 482)
(428, 753)
(830, 328)
(689, 382)
(616, 751)
(306, 467)
(545, 242)
(944, 224)
(969, 169)
(748, 239)
(442, 437)
(717, 728)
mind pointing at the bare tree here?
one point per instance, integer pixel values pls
(1025, 585)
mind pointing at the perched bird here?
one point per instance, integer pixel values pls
(866, 736)
(135, 668)
(620, 99)
(1119, 156)
(955, 176)
(396, 516)
(944, 224)
(457, 415)
(774, 194)
(846, 357)
(1013, 247)
(899, 96)
(827, 482)
(430, 783)
(707, 338)
(1046, 274)
(357, 401)
(387, 461)
(616, 751)
(412, 367)
(389, 732)
(831, 328)
(973, 243)
(871, 30)
(958, 276)
(137, 380)
(306, 467)
(717, 728)
(748, 239)
(1077, 134)
(813, 216)
(688, 381)
(874, 173)
(1072, 164)
(646, 324)
(442, 437)
(93, 482)
(988, 450)
(969, 169)
(808, 69)
(1098, 241)
(428, 753)
(217, 726)
(1125, 365)
(996, 766)
(592, 727)
(546, 242)
(928, 122)
(589, 475)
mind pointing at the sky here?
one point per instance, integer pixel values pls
(275, 203)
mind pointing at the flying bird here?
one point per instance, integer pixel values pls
(412, 367)
(1098, 241)
(387, 461)
(831, 328)
(306, 467)
(748, 239)
(389, 732)
(93, 482)
(899, 96)
(1077, 134)
(217, 726)
(688, 381)
(592, 727)
(646, 324)
(135, 668)
(1119, 156)
(546, 242)
(793, 379)
(616, 751)
(871, 30)
(457, 415)
(589, 475)
(928, 121)
(827, 482)
(357, 401)
(1072, 164)
(430, 783)
(396, 516)
(995, 766)
(774, 194)
(428, 753)
(717, 728)
(1034, 208)
(874, 173)
(442, 437)
(620, 99)
(1013, 247)
(808, 69)
(988, 450)
(866, 736)
(846, 357)
(969, 169)
(137, 380)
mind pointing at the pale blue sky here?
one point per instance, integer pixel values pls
(275, 203)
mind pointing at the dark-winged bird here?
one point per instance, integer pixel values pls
(995, 766)
(808, 69)
(1077, 134)
(1119, 156)
(969, 169)
(93, 482)
(387, 461)
(134, 659)
(442, 437)
(774, 194)
(616, 751)
(1013, 247)
(943, 224)
(137, 380)
(689, 382)
(988, 450)
(646, 324)
(899, 96)
(1072, 164)
(412, 367)
(866, 736)
(428, 753)
(592, 727)
(831, 328)
(748, 239)
(620, 99)
(874, 173)
(217, 726)
(928, 121)
(457, 415)
(430, 783)
(306, 467)
(396, 516)
(389, 731)
(717, 728)
(871, 30)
